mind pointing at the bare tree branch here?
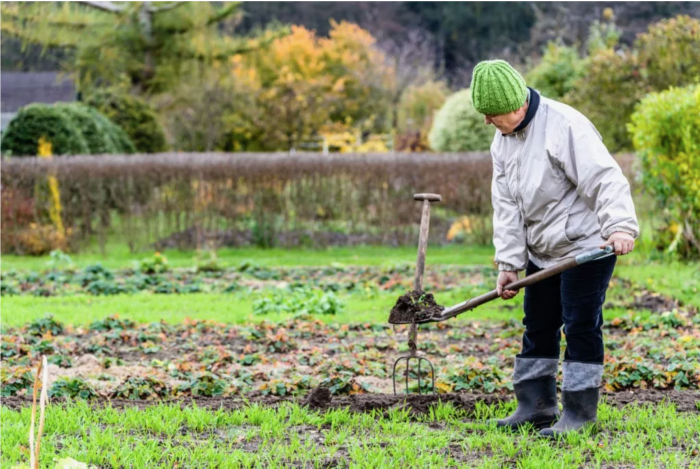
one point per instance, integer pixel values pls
(104, 6)
(171, 6)
(224, 12)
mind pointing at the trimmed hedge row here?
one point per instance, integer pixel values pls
(265, 199)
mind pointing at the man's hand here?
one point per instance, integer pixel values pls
(506, 278)
(623, 243)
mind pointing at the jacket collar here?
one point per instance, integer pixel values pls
(533, 98)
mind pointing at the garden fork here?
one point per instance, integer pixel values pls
(418, 286)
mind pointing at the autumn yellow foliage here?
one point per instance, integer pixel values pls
(303, 82)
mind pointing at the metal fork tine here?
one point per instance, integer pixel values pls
(408, 371)
(407, 359)
(420, 390)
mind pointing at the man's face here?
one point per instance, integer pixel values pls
(506, 123)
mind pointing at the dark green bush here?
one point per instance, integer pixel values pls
(135, 116)
(21, 138)
(71, 128)
(101, 135)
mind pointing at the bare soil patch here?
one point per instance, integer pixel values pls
(685, 401)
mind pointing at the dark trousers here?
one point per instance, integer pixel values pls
(573, 299)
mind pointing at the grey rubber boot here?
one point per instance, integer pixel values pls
(580, 395)
(535, 386)
(580, 409)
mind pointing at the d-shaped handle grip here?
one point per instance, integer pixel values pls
(428, 197)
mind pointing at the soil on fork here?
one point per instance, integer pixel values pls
(415, 305)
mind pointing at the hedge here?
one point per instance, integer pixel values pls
(71, 128)
(192, 199)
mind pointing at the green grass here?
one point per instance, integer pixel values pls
(234, 308)
(255, 436)
(119, 257)
(676, 279)
(163, 436)
(679, 280)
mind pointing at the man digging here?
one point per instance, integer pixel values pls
(556, 193)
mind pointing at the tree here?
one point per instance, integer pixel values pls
(148, 45)
(303, 82)
(413, 63)
(668, 54)
(557, 72)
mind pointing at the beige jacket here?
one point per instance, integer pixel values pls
(556, 190)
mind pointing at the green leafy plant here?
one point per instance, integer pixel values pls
(280, 387)
(475, 375)
(64, 361)
(249, 359)
(93, 273)
(71, 128)
(298, 301)
(157, 264)
(59, 258)
(343, 383)
(141, 387)
(41, 326)
(111, 323)
(72, 388)
(17, 381)
(204, 384)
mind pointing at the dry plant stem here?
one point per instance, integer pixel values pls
(42, 402)
(33, 463)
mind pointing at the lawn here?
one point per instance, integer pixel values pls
(234, 353)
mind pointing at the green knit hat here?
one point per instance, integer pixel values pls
(497, 88)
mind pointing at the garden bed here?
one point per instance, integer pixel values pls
(115, 358)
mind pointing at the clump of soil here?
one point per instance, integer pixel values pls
(319, 398)
(415, 305)
(655, 302)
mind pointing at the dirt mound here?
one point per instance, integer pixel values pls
(319, 398)
(655, 302)
(415, 305)
(685, 401)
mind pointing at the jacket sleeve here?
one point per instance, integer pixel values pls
(509, 235)
(598, 178)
